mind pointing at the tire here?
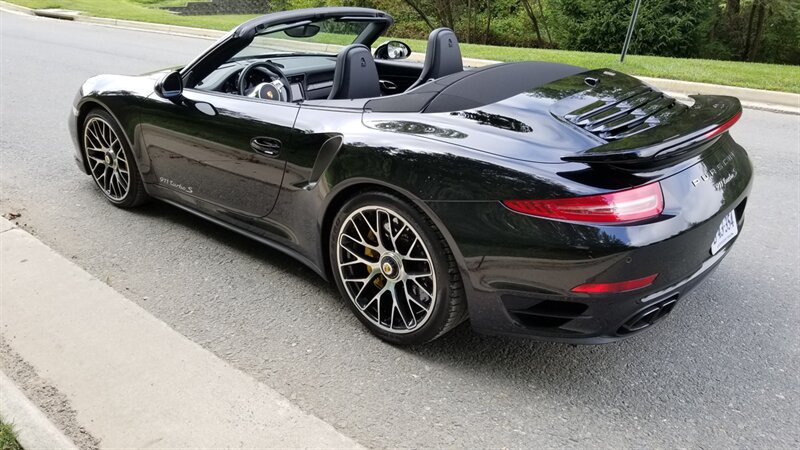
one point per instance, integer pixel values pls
(110, 160)
(381, 249)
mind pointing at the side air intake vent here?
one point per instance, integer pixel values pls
(547, 313)
(617, 118)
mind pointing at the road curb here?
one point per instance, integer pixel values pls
(56, 13)
(132, 380)
(783, 102)
(34, 429)
(15, 8)
(152, 27)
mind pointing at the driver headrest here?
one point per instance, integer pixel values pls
(356, 75)
(443, 55)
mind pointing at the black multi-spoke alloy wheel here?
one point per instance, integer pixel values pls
(111, 163)
(395, 269)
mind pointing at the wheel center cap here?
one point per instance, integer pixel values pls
(390, 266)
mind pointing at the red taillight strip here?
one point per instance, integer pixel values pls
(640, 203)
(615, 288)
(724, 127)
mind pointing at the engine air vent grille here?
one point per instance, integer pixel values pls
(638, 110)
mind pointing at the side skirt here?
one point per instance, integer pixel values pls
(274, 245)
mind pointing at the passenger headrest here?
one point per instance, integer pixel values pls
(356, 75)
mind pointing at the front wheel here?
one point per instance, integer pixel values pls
(395, 269)
(110, 160)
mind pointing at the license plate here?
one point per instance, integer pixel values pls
(728, 230)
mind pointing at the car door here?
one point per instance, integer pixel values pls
(227, 151)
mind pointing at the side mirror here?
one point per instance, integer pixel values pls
(170, 86)
(393, 50)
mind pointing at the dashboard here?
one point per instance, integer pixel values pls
(310, 76)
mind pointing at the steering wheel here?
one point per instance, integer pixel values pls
(279, 81)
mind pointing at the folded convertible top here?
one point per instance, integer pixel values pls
(474, 88)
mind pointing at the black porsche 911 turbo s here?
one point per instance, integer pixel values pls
(535, 199)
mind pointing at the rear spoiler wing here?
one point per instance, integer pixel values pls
(709, 117)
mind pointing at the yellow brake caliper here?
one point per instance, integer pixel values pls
(378, 282)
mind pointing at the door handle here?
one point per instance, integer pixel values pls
(266, 145)
(387, 85)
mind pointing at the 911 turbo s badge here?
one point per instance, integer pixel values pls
(179, 186)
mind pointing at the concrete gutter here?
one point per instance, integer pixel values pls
(34, 429)
(784, 102)
(133, 381)
(751, 98)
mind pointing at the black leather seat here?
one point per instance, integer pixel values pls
(442, 58)
(356, 75)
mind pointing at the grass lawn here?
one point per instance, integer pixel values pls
(8, 438)
(753, 75)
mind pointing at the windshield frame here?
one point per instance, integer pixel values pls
(240, 37)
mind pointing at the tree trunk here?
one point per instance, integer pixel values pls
(759, 34)
(749, 35)
(732, 8)
(488, 24)
(544, 22)
(526, 4)
(422, 15)
(469, 21)
(445, 13)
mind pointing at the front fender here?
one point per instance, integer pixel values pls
(121, 97)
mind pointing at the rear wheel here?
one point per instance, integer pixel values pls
(110, 160)
(395, 269)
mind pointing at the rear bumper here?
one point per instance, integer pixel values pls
(580, 321)
(519, 270)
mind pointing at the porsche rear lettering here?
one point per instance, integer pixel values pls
(711, 172)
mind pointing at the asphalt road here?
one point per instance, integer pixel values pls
(721, 372)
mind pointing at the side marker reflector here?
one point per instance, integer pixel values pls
(615, 288)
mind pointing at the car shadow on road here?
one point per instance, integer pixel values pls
(175, 216)
(665, 355)
(555, 366)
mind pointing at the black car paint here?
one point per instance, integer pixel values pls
(456, 167)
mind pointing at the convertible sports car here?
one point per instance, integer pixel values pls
(535, 199)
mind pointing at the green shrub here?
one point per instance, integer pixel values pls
(664, 27)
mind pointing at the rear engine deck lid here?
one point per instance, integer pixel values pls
(635, 122)
(551, 113)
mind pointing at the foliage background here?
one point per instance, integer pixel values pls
(712, 52)
(740, 30)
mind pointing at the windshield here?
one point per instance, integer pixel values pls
(323, 36)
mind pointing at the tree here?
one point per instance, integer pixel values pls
(664, 27)
(527, 5)
(422, 15)
(756, 30)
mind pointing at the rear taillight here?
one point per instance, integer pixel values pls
(617, 287)
(640, 203)
(724, 127)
